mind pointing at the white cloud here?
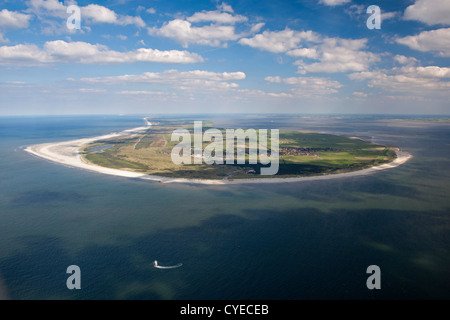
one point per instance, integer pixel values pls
(86, 53)
(183, 32)
(218, 32)
(420, 80)
(23, 54)
(99, 14)
(359, 94)
(151, 10)
(15, 82)
(126, 20)
(405, 60)
(3, 39)
(279, 41)
(389, 15)
(435, 40)
(333, 54)
(53, 7)
(278, 95)
(143, 92)
(356, 10)
(197, 80)
(45, 9)
(430, 12)
(340, 55)
(359, 11)
(310, 53)
(225, 7)
(216, 16)
(155, 95)
(334, 2)
(13, 20)
(255, 28)
(428, 72)
(272, 79)
(91, 13)
(92, 90)
(261, 93)
(307, 86)
(170, 76)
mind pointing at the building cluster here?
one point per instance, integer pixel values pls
(291, 151)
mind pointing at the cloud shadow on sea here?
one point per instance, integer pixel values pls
(285, 254)
(46, 196)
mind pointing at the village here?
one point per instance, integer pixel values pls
(292, 151)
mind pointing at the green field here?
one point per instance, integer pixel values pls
(301, 154)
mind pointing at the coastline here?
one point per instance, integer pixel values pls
(67, 153)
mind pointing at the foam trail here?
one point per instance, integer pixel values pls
(156, 265)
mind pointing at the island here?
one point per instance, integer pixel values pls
(145, 153)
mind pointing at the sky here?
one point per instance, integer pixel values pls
(185, 56)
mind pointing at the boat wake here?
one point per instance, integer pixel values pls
(156, 265)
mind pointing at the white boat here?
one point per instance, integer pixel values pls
(156, 265)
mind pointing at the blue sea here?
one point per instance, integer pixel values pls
(305, 240)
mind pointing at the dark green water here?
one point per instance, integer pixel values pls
(308, 240)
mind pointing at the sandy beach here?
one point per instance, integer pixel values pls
(67, 153)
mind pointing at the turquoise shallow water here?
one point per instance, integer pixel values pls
(308, 240)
